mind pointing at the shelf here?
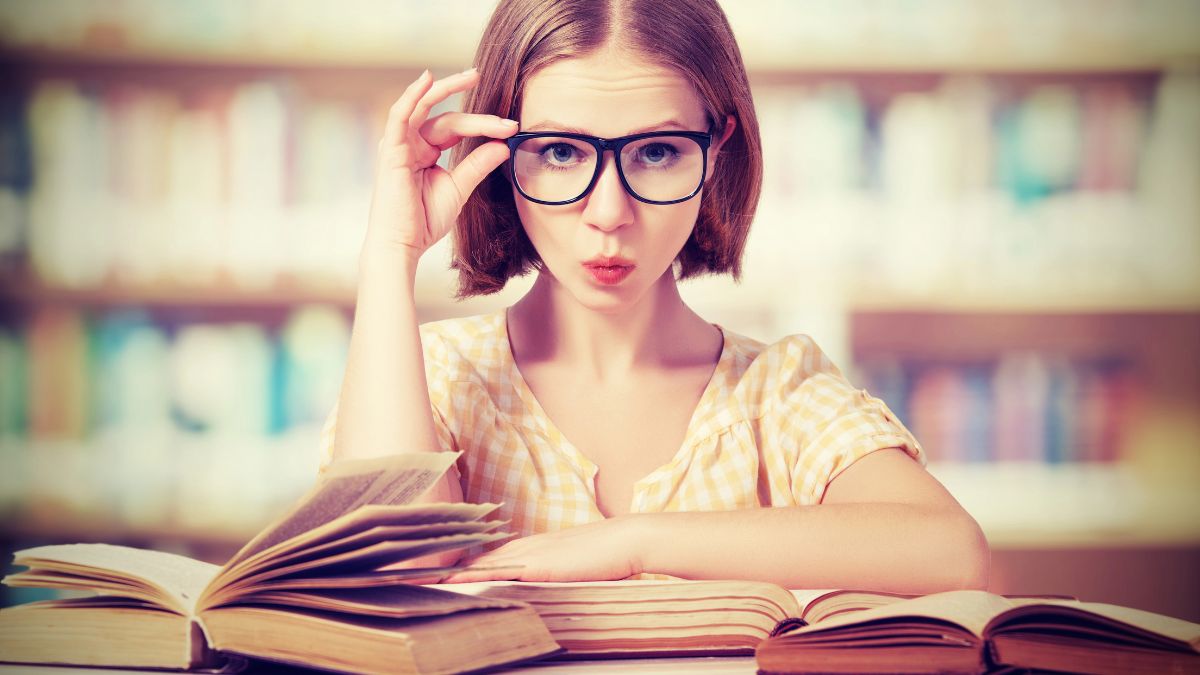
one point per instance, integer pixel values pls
(850, 36)
(24, 291)
(435, 301)
(1043, 506)
(1027, 301)
(89, 529)
(759, 62)
(20, 290)
(1153, 336)
(136, 58)
(1020, 506)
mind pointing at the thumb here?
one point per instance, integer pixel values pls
(471, 171)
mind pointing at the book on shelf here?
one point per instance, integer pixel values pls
(322, 586)
(796, 631)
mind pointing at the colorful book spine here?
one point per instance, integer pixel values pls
(1023, 407)
(124, 417)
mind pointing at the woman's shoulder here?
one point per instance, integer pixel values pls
(768, 378)
(475, 341)
(791, 356)
(764, 384)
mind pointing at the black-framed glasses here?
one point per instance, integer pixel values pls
(657, 167)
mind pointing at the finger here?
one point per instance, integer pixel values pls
(397, 126)
(447, 129)
(441, 90)
(471, 171)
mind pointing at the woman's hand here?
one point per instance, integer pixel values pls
(415, 201)
(599, 551)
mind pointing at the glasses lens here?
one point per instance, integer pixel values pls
(554, 169)
(663, 168)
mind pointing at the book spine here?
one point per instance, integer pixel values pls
(199, 649)
(1026, 407)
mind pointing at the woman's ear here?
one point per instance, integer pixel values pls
(719, 141)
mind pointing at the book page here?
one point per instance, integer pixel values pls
(970, 609)
(1169, 627)
(805, 597)
(400, 601)
(644, 593)
(378, 556)
(297, 554)
(84, 633)
(362, 519)
(383, 533)
(648, 616)
(821, 605)
(465, 641)
(349, 484)
(107, 584)
(179, 580)
(374, 579)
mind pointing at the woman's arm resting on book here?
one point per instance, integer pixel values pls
(884, 524)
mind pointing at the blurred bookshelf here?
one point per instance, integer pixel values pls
(858, 35)
(980, 211)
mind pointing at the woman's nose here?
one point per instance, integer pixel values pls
(608, 206)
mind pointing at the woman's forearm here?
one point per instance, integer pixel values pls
(903, 548)
(384, 401)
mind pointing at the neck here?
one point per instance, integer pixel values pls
(659, 330)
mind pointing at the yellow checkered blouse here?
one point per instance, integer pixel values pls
(773, 427)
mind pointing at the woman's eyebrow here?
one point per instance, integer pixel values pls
(549, 125)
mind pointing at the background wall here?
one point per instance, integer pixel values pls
(987, 213)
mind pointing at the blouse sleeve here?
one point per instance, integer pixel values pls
(437, 376)
(824, 424)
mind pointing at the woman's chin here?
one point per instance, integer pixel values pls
(609, 303)
(607, 299)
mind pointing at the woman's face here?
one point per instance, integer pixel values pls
(609, 94)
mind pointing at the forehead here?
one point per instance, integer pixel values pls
(608, 93)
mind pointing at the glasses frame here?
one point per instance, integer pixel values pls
(602, 145)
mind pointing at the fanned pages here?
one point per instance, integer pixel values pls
(333, 567)
(347, 486)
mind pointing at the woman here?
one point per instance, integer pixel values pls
(623, 433)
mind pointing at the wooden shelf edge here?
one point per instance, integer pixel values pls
(27, 291)
(85, 529)
(758, 61)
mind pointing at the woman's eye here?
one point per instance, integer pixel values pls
(559, 153)
(656, 154)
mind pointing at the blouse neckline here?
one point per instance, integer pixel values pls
(547, 426)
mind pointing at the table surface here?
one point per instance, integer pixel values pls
(706, 665)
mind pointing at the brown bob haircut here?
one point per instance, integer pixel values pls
(692, 37)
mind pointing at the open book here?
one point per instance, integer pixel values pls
(974, 631)
(793, 631)
(597, 619)
(322, 586)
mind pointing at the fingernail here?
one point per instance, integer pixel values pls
(470, 70)
(507, 122)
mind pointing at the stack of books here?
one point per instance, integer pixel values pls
(327, 586)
